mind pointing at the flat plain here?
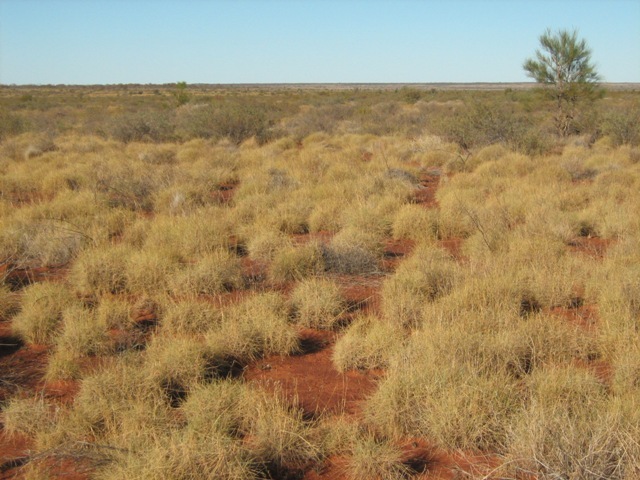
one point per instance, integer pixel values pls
(318, 282)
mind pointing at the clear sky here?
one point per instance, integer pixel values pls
(299, 41)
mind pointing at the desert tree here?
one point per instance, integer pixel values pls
(181, 94)
(563, 64)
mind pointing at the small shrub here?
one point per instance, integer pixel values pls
(623, 127)
(181, 456)
(63, 365)
(40, 145)
(217, 408)
(414, 222)
(481, 124)
(150, 271)
(113, 312)
(570, 430)
(428, 274)
(431, 391)
(177, 364)
(41, 243)
(142, 127)
(10, 125)
(278, 435)
(236, 121)
(120, 404)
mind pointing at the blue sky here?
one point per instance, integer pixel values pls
(293, 41)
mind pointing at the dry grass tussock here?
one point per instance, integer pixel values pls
(42, 310)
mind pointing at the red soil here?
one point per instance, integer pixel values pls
(225, 192)
(583, 316)
(594, 247)
(361, 293)
(427, 461)
(310, 380)
(323, 236)
(22, 370)
(586, 317)
(255, 271)
(425, 194)
(453, 245)
(395, 251)
(17, 277)
(14, 452)
(21, 367)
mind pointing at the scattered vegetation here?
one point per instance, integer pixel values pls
(475, 265)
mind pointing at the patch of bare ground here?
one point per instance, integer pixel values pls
(453, 245)
(425, 194)
(425, 460)
(322, 236)
(594, 247)
(362, 293)
(22, 369)
(395, 250)
(14, 453)
(586, 317)
(17, 277)
(22, 366)
(254, 271)
(310, 379)
(578, 314)
(225, 192)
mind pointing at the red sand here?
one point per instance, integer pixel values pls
(311, 380)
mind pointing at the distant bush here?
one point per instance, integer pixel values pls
(623, 126)
(485, 123)
(323, 118)
(411, 95)
(142, 127)
(233, 120)
(10, 125)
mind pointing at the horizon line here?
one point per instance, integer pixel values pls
(384, 85)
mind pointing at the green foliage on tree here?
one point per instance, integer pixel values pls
(181, 94)
(563, 64)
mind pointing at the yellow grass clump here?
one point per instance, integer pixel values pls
(40, 317)
(317, 302)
